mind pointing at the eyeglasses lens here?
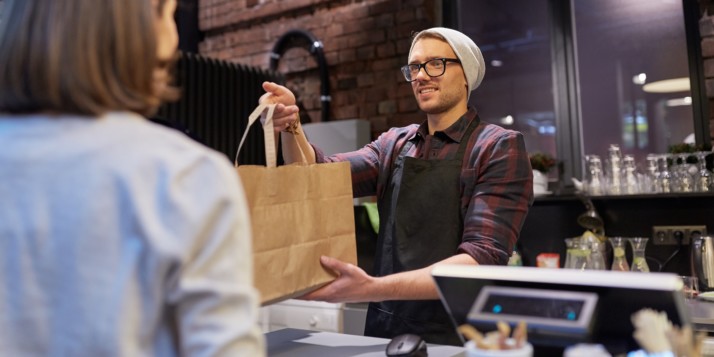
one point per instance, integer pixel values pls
(433, 68)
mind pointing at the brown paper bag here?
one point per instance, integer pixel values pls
(298, 213)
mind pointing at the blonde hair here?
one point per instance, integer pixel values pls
(82, 57)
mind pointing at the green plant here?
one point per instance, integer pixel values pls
(684, 148)
(542, 162)
(688, 148)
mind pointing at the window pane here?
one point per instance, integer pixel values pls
(624, 48)
(517, 91)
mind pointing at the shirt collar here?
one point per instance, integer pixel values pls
(454, 132)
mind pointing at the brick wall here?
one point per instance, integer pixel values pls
(365, 42)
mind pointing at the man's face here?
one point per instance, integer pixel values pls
(436, 95)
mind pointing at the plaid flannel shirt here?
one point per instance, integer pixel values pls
(496, 179)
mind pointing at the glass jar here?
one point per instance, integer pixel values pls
(597, 258)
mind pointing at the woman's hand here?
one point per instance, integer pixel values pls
(285, 110)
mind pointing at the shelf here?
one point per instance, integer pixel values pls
(654, 196)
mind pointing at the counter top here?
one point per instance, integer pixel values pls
(297, 343)
(702, 313)
(291, 342)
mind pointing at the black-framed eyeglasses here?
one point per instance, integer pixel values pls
(433, 68)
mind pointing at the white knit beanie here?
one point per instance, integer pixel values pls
(465, 49)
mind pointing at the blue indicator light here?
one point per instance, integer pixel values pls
(497, 308)
(571, 316)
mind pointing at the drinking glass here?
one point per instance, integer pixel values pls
(704, 176)
(691, 286)
(569, 246)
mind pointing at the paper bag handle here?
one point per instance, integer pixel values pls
(268, 129)
(268, 133)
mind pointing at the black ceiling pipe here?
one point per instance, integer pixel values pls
(301, 38)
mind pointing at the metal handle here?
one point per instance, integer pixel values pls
(696, 262)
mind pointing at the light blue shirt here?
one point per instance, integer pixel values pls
(119, 237)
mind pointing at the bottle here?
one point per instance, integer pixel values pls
(631, 183)
(615, 170)
(594, 180)
(515, 260)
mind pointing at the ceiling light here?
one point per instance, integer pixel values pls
(507, 120)
(667, 86)
(639, 79)
(679, 102)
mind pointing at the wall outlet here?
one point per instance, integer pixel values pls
(670, 235)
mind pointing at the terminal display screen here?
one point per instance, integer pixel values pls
(546, 307)
(565, 311)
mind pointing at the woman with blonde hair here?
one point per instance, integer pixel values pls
(118, 237)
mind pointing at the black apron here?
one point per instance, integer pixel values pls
(422, 205)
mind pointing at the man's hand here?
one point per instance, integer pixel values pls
(285, 110)
(352, 284)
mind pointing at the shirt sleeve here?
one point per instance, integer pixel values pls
(212, 292)
(364, 166)
(371, 165)
(502, 194)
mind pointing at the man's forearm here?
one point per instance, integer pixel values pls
(415, 284)
(293, 144)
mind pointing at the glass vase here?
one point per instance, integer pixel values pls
(639, 262)
(619, 261)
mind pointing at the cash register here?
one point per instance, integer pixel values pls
(561, 307)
